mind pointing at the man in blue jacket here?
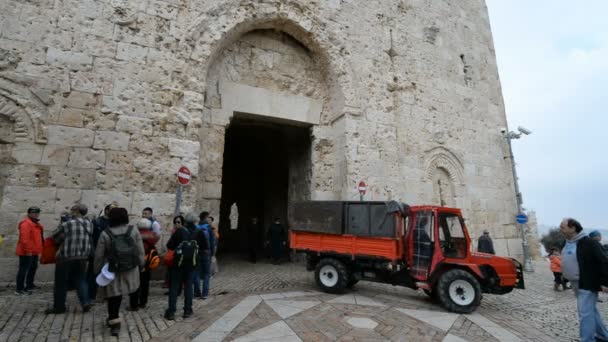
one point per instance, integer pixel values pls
(586, 266)
(204, 269)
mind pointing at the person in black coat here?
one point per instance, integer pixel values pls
(183, 275)
(276, 239)
(485, 244)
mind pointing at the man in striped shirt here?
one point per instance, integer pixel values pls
(74, 239)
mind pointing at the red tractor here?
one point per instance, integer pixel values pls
(420, 247)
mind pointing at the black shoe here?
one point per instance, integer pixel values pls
(187, 314)
(143, 306)
(87, 307)
(166, 293)
(53, 311)
(132, 308)
(169, 316)
(32, 288)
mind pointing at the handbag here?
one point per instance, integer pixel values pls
(49, 251)
(168, 259)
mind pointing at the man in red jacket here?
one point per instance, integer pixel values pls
(29, 249)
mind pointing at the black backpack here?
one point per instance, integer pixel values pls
(123, 251)
(186, 252)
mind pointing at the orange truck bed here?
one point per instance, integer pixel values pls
(379, 247)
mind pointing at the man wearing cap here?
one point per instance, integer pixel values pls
(597, 236)
(485, 244)
(99, 225)
(74, 240)
(29, 248)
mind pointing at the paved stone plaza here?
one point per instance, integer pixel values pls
(281, 303)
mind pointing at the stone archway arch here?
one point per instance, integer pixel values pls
(223, 25)
(19, 106)
(443, 158)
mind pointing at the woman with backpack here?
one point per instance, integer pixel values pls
(120, 247)
(185, 243)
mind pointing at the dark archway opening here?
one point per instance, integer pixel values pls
(266, 165)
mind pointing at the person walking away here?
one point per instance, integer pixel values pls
(74, 241)
(121, 247)
(99, 225)
(185, 242)
(556, 268)
(205, 255)
(586, 266)
(597, 236)
(485, 244)
(149, 238)
(216, 232)
(253, 236)
(29, 248)
(276, 239)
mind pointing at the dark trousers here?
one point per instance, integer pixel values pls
(253, 255)
(114, 306)
(557, 278)
(202, 272)
(66, 271)
(140, 297)
(91, 280)
(177, 278)
(28, 264)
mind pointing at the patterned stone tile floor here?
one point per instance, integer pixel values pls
(264, 302)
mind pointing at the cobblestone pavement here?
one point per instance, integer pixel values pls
(281, 303)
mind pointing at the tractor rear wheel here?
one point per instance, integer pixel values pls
(459, 291)
(331, 275)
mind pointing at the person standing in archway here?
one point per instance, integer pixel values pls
(253, 232)
(276, 239)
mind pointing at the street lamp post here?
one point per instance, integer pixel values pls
(524, 240)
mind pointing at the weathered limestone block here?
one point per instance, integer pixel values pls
(55, 155)
(184, 148)
(110, 180)
(87, 158)
(161, 203)
(211, 190)
(78, 99)
(119, 160)
(91, 82)
(150, 182)
(146, 144)
(66, 198)
(28, 175)
(131, 52)
(97, 200)
(9, 222)
(71, 178)
(19, 198)
(108, 140)
(94, 46)
(27, 153)
(70, 136)
(134, 125)
(71, 117)
(68, 59)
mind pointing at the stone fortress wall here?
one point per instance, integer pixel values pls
(103, 100)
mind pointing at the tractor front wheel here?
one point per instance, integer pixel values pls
(459, 291)
(331, 275)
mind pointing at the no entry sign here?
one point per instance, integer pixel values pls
(183, 175)
(362, 188)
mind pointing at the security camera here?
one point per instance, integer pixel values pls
(524, 130)
(503, 130)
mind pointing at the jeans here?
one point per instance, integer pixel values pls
(64, 272)
(203, 271)
(28, 264)
(177, 277)
(91, 280)
(140, 297)
(591, 324)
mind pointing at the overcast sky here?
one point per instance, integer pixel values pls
(553, 64)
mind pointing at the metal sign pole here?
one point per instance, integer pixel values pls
(178, 199)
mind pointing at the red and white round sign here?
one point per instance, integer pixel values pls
(362, 188)
(183, 175)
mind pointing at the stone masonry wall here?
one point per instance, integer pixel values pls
(106, 98)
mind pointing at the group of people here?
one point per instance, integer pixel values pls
(109, 258)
